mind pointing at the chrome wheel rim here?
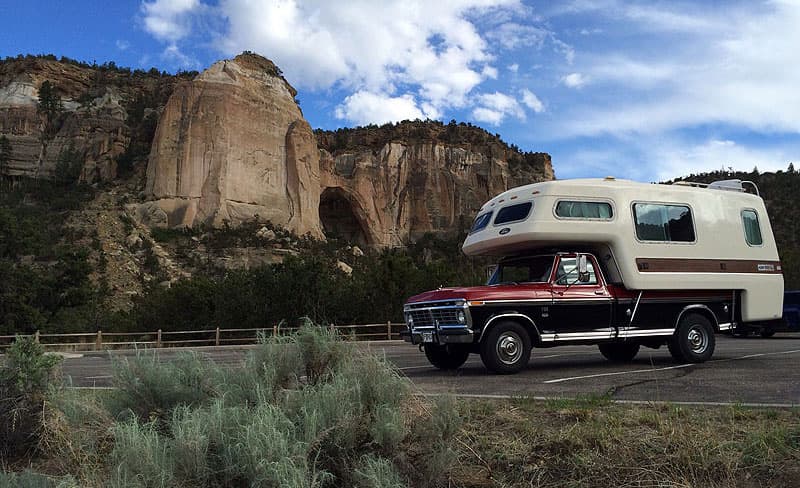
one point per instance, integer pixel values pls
(697, 339)
(509, 347)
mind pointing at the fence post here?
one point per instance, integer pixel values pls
(36, 337)
(389, 330)
(158, 339)
(98, 342)
(216, 338)
(332, 328)
(274, 331)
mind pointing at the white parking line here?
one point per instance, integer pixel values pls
(637, 371)
(612, 400)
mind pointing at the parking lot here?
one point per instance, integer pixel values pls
(747, 371)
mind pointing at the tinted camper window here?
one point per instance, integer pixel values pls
(663, 223)
(481, 221)
(583, 210)
(752, 231)
(513, 213)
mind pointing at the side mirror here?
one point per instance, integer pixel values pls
(583, 269)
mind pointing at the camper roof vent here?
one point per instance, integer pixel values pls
(732, 185)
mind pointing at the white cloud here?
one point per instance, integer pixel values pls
(432, 51)
(574, 80)
(174, 55)
(122, 44)
(679, 159)
(514, 67)
(512, 35)
(365, 107)
(530, 100)
(493, 108)
(745, 74)
(167, 20)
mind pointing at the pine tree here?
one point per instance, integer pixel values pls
(50, 106)
(791, 168)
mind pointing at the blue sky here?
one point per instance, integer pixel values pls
(644, 90)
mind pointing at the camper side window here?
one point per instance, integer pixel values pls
(513, 213)
(583, 210)
(663, 223)
(752, 231)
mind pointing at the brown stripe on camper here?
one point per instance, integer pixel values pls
(679, 265)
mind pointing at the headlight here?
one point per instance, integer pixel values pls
(462, 319)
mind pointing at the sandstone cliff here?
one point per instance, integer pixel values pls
(104, 115)
(231, 146)
(387, 185)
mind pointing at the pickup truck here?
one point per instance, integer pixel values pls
(558, 298)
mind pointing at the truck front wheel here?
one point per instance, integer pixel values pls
(446, 357)
(506, 348)
(619, 352)
(693, 341)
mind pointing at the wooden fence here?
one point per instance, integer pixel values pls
(88, 341)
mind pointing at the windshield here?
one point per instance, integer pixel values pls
(535, 269)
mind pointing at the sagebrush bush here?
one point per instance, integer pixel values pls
(25, 377)
(150, 389)
(302, 411)
(29, 479)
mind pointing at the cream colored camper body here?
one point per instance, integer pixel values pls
(719, 258)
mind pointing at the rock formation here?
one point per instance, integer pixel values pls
(384, 186)
(231, 146)
(93, 123)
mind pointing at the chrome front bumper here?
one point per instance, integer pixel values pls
(438, 323)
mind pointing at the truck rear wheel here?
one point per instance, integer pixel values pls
(446, 357)
(619, 352)
(693, 341)
(506, 348)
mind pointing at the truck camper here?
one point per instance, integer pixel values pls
(610, 262)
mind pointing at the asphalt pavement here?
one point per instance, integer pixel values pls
(751, 371)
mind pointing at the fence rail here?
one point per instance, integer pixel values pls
(97, 341)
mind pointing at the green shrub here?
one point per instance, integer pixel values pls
(150, 388)
(375, 472)
(25, 377)
(141, 457)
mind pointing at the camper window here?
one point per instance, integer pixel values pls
(752, 231)
(481, 221)
(663, 223)
(583, 210)
(513, 213)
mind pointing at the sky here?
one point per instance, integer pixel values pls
(642, 90)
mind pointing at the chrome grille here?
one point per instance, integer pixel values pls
(430, 317)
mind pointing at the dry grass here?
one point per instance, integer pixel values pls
(594, 443)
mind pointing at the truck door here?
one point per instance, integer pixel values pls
(581, 309)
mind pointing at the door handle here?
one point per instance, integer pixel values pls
(599, 292)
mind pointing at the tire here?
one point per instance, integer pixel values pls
(506, 348)
(619, 352)
(447, 357)
(693, 341)
(767, 333)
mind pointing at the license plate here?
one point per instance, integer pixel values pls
(427, 337)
